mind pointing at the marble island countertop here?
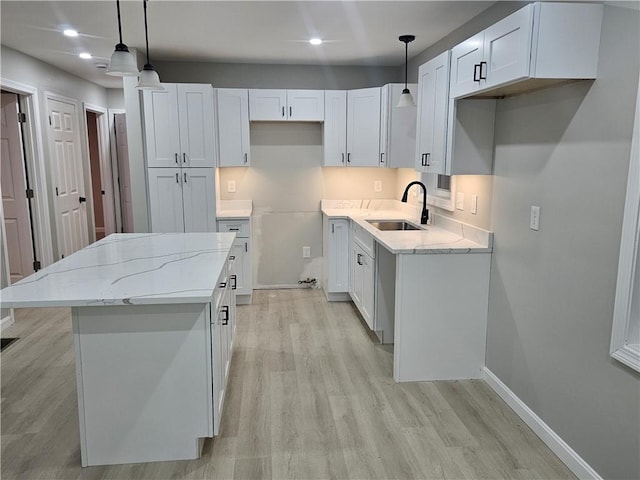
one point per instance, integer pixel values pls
(443, 235)
(128, 269)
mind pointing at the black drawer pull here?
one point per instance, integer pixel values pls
(482, 69)
(234, 279)
(225, 312)
(476, 74)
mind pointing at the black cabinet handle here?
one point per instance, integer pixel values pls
(82, 199)
(428, 157)
(223, 284)
(359, 256)
(234, 278)
(424, 160)
(176, 158)
(282, 112)
(381, 157)
(232, 257)
(177, 178)
(482, 69)
(348, 158)
(290, 112)
(476, 73)
(246, 247)
(234, 229)
(342, 157)
(245, 158)
(225, 312)
(185, 177)
(184, 158)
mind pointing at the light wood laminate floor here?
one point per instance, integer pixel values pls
(311, 396)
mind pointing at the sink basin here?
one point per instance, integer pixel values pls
(387, 225)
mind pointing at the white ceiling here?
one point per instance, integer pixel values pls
(355, 33)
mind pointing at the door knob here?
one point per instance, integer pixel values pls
(82, 199)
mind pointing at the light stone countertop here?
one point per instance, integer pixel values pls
(443, 235)
(128, 269)
(236, 209)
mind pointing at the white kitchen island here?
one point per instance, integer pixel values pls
(153, 320)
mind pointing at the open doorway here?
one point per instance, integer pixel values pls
(17, 194)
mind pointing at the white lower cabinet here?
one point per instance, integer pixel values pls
(182, 200)
(336, 258)
(241, 280)
(222, 334)
(362, 278)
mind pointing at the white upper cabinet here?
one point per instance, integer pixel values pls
(335, 128)
(545, 42)
(178, 126)
(283, 105)
(232, 110)
(363, 127)
(433, 102)
(397, 128)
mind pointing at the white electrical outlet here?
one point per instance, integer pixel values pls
(474, 204)
(231, 186)
(460, 200)
(377, 186)
(306, 252)
(534, 219)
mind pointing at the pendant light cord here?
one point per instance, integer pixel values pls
(146, 32)
(119, 22)
(406, 60)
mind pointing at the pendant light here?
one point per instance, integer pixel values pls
(406, 100)
(149, 79)
(122, 64)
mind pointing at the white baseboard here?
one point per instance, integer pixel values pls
(7, 321)
(557, 445)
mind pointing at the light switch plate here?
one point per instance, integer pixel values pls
(534, 219)
(474, 204)
(306, 252)
(460, 200)
(377, 186)
(231, 186)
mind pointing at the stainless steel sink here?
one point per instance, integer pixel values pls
(387, 225)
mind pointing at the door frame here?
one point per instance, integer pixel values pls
(35, 164)
(9, 319)
(105, 164)
(81, 127)
(115, 171)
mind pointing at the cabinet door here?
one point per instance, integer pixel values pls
(465, 63)
(233, 127)
(335, 128)
(357, 277)
(338, 280)
(507, 49)
(433, 102)
(242, 266)
(265, 104)
(161, 128)
(216, 369)
(305, 105)
(368, 288)
(195, 114)
(199, 200)
(165, 200)
(363, 127)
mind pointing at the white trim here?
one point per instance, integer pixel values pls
(9, 319)
(34, 146)
(569, 457)
(622, 347)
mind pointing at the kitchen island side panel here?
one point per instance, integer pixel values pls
(144, 382)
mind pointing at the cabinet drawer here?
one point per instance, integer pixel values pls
(240, 227)
(364, 239)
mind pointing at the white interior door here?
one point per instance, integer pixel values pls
(124, 177)
(68, 181)
(14, 199)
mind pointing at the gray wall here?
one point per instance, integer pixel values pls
(241, 75)
(552, 292)
(24, 69)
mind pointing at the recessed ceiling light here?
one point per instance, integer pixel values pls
(70, 32)
(85, 55)
(315, 41)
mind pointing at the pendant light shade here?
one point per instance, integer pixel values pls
(406, 99)
(149, 78)
(122, 64)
